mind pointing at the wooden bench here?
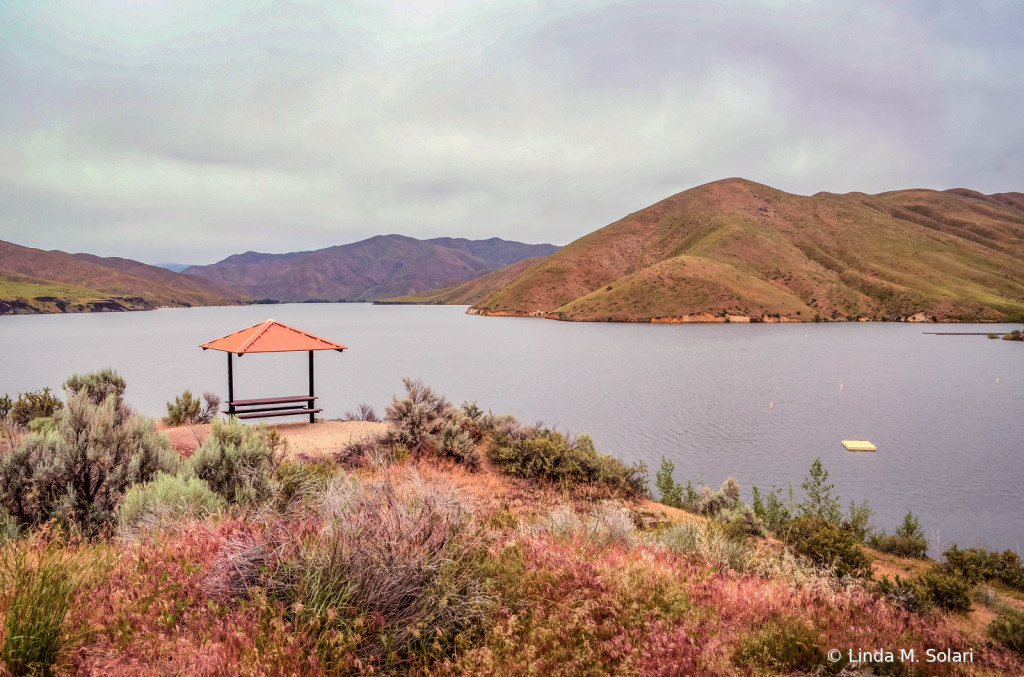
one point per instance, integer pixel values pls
(260, 408)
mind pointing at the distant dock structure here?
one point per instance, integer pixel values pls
(859, 445)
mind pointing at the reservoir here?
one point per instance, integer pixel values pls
(758, 402)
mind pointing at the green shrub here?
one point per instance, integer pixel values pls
(187, 409)
(671, 493)
(237, 461)
(784, 645)
(298, 481)
(455, 443)
(977, 565)
(552, 456)
(1008, 630)
(30, 406)
(829, 544)
(946, 591)
(819, 503)
(772, 509)
(906, 593)
(1015, 335)
(740, 519)
(167, 496)
(97, 385)
(417, 419)
(908, 541)
(37, 586)
(973, 565)
(78, 471)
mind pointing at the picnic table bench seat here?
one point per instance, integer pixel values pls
(245, 409)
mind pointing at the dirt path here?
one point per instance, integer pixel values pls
(305, 440)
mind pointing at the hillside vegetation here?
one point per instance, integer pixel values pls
(37, 281)
(457, 543)
(380, 267)
(740, 251)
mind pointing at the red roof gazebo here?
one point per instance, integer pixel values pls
(271, 337)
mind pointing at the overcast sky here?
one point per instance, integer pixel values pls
(187, 131)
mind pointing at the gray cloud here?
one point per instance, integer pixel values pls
(176, 131)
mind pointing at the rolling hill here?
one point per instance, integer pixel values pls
(468, 293)
(380, 267)
(735, 250)
(38, 281)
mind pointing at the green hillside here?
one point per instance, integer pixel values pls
(741, 249)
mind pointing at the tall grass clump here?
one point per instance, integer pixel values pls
(167, 499)
(392, 577)
(706, 541)
(607, 524)
(77, 470)
(38, 584)
(569, 461)
(237, 461)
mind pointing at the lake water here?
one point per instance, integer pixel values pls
(950, 438)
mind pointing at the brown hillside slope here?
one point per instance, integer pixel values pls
(738, 248)
(468, 293)
(132, 291)
(164, 276)
(379, 267)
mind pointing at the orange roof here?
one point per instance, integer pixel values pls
(271, 337)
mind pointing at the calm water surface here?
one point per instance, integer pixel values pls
(950, 438)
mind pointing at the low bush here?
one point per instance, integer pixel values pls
(907, 593)
(828, 544)
(456, 443)
(908, 541)
(1008, 630)
(237, 461)
(30, 406)
(38, 583)
(364, 413)
(978, 565)
(1015, 335)
(78, 471)
(417, 419)
(569, 461)
(167, 498)
(946, 591)
(782, 645)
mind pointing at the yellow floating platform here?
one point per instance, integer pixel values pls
(859, 445)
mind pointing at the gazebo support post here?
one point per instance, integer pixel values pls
(311, 415)
(231, 389)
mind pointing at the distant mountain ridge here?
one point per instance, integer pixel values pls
(39, 281)
(376, 268)
(735, 250)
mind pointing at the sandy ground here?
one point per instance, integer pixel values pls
(305, 439)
